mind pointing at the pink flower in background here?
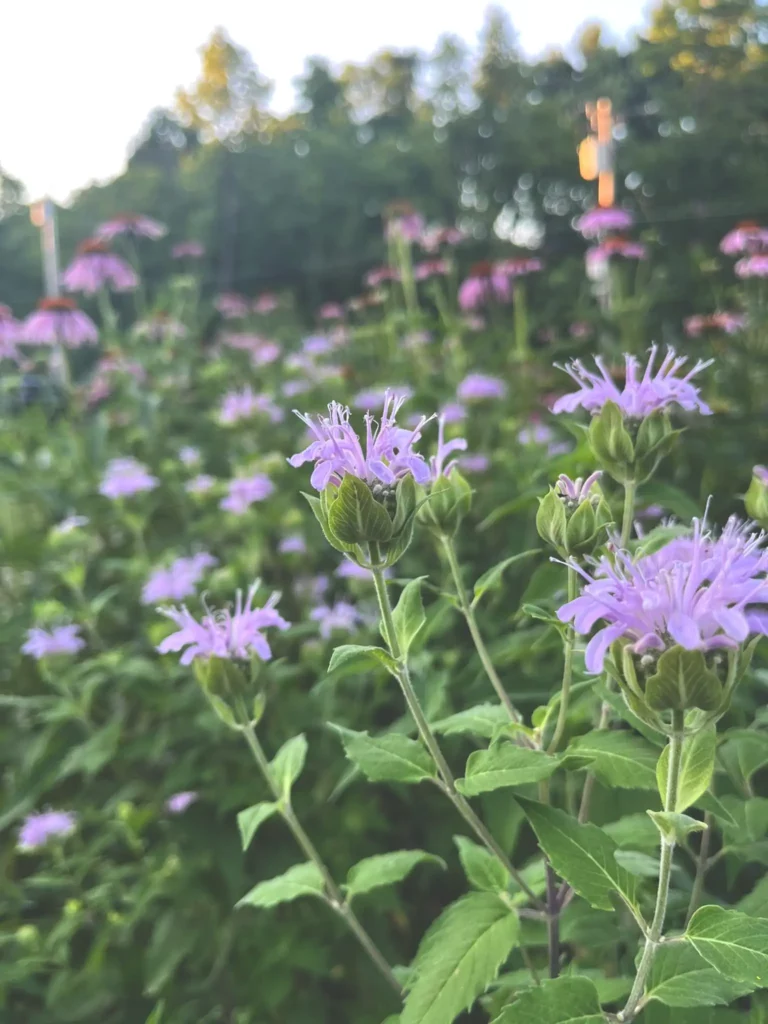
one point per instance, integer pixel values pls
(729, 323)
(135, 224)
(435, 235)
(266, 303)
(59, 322)
(225, 633)
(311, 588)
(178, 580)
(189, 456)
(265, 352)
(124, 477)
(200, 484)
(291, 388)
(603, 218)
(316, 345)
(486, 284)
(188, 250)
(431, 268)
(752, 266)
(542, 434)
(232, 306)
(352, 571)
(453, 412)
(339, 617)
(10, 333)
(378, 276)
(479, 386)
(744, 238)
(179, 802)
(39, 828)
(330, 311)
(580, 329)
(159, 327)
(375, 396)
(519, 266)
(615, 246)
(404, 222)
(242, 405)
(95, 267)
(293, 544)
(474, 463)
(42, 643)
(244, 491)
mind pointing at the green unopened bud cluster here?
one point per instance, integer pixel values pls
(372, 524)
(449, 500)
(630, 450)
(756, 498)
(573, 520)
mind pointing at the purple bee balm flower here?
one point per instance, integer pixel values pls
(330, 311)
(746, 237)
(752, 266)
(292, 388)
(486, 284)
(41, 643)
(189, 455)
(695, 592)
(641, 396)
(265, 352)
(293, 544)
(178, 581)
(761, 472)
(188, 250)
(95, 267)
(576, 490)
(453, 412)
(594, 222)
(232, 306)
(437, 465)
(375, 396)
(200, 484)
(266, 303)
(59, 322)
(478, 386)
(651, 512)
(135, 224)
(311, 587)
(474, 463)
(352, 571)
(225, 633)
(244, 491)
(10, 333)
(242, 405)
(339, 617)
(316, 345)
(536, 433)
(337, 451)
(124, 477)
(179, 802)
(39, 828)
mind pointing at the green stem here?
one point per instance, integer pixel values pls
(469, 614)
(702, 866)
(589, 782)
(565, 692)
(405, 265)
(630, 489)
(430, 741)
(334, 895)
(653, 937)
(520, 314)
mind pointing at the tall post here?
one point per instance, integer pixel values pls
(43, 216)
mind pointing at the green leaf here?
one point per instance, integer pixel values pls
(733, 943)
(755, 903)
(172, 938)
(634, 831)
(718, 810)
(300, 880)
(458, 958)
(683, 681)
(388, 758)
(385, 869)
(249, 820)
(408, 616)
(675, 827)
(505, 764)
(681, 977)
(641, 865)
(91, 756)
(619, 758)
(482, 869)
(696, 770)
(584, 855)
(288, 763)
(367, 656)
(563, 1001)
(482, 720)
(491, 579)
(355, 517)
(319, 510)
(745, 750)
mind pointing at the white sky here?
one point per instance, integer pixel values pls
(78, 77)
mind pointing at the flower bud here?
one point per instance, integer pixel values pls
(630, 449)
(573, 516)
(756, 498)
(223, 683)
(448, 501)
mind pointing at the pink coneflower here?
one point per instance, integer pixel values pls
(729, 323)
(519, 266)
(611, 218)
(403, 222)
(188, 250)
(266, 303)
(59, 322)
(744, 238)
(124, 477)
(95, 267)
(615, 246)
(376, 277)
(244, 491)
(755, 265)
(431, 268)
(232, 306)
(486, 284)
(330, 311)
(435, 235)
(135, 224)
(10, 333)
